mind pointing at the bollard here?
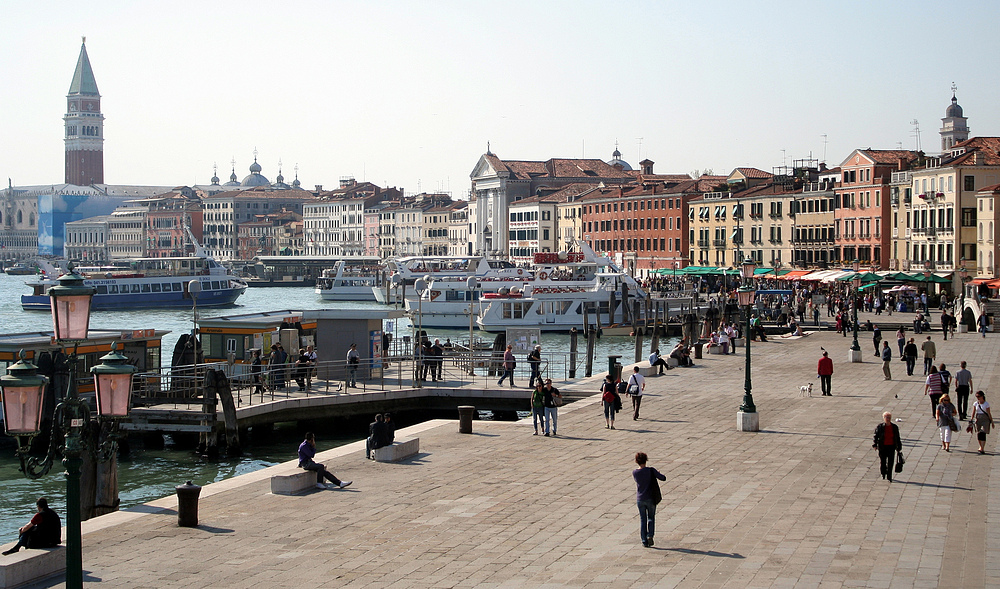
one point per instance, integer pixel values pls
(187, 505)
(697, 350)
(614, 367)
(465, 414)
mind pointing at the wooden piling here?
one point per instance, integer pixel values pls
(573, 333)
(636, 330)
(591, 342)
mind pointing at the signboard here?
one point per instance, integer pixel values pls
(375, 347)
(524, 339)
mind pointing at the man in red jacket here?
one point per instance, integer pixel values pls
(825, 371)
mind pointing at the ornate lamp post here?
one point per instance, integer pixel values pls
(23, 398)
(472, 283)
(855, 352)
(421, 286)
(747, 419)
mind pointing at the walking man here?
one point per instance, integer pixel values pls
(963, 385)
(910, 353)
(647, 495)
(353, 359)
(930, 352)
(984, 323)
(876, 338)
(886, 360)
(635, 388)
(552, 399)
(825, 372)
(535, 363)
(888, 443)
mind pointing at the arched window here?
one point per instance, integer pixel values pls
(980, 237)
(20, 219)
(31, 219)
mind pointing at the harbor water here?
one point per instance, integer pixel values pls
(149, 474)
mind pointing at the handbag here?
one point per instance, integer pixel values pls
(654, 489)
(899, 462)
(954, 425)
(557, 399)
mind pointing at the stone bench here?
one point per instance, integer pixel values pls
(31, 565)
(398, 450)
(673, 362)
(644, 369)
(293, 483)
(715, 349)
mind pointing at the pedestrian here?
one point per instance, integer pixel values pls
(307, 453)
(824, 370)
(508, 366)
(390, 428)
(552, 399)
(816, 316)
(376, 437)
(945, 324)
(255, 374)
(982, 419)
(656, 360)
(910, 353)
(886, 361)
(647, 496)
(302, 368)
(888, 443)
(963, 386)
(437, 361)
(945, 378)
(918, 321)
(43, 531)
(537, 408)
(313, 358)
(930, 352)
(608, 398)
(946, 416)
(535, 363)
(876, 338)
(724, 341)
(353, 360)
(426, 359)
(984, 323)
(932, 388)
(901, 341)
(275, 362)
(636, 386)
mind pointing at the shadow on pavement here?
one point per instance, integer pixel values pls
(701, 552)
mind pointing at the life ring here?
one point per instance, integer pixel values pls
(520, 271)
(542, 275)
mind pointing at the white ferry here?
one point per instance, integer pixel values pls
(351, 279)
(147, 282)
(441, 270)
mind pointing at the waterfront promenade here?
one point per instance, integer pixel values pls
(799, 504)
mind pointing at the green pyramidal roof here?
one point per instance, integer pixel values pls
(83, 77)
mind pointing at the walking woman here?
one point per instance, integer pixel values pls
(888, 443)
(932, 388)
(646, 497)
(982, 419)
(946, 421)
(901, 341)
(538, 408)
(608, 397)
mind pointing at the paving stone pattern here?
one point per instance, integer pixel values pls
(799, 504)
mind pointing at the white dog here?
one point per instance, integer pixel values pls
(806, 390)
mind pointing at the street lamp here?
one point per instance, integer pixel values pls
(421, 286)
(856, 281)
(23, 393)
(471, 283)
(747, 419)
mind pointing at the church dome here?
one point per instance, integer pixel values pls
(617, 161)
(954, 110)
(255, 178)
(233, 180)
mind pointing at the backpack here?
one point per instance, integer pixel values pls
(622, 387)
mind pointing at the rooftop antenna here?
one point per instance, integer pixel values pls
(825, 141)
(916, 132)
(639, 139)
(783, 158)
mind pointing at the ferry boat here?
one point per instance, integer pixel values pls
(449, 300)
(442, 270)
(351, 279)
(559, 307)
(21, 269)
(148, 282)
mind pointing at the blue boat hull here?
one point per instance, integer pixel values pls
(106, 302)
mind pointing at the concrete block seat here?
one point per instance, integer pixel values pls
(398, 450)
(644, 369)
(293, 482)
(31, 565)
(715, 349)
(673, 362)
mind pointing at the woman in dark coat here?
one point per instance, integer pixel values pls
(888, 443)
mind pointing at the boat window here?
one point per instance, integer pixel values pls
(156, 287)
(166, 287)
(112, 289)
(206, 286)
(145, 287)
(135, 288)
(101, 289)
(178, 287)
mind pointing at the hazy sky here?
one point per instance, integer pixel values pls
(408, 93)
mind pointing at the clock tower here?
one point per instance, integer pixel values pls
(84, 126)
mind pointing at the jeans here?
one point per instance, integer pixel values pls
(824, 383)
(911, 361)
(538, 417)
(647, 518)
(321, 472)
(535, 373)
(901, 343)
(609, 410)
(636, 401)
(507, 372)
(551, 418)
(352, 375)
(928, 362)
(962, 392)
(935, 397)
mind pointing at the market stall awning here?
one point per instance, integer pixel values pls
(794, 274)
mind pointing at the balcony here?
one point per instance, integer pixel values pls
(719, 242)
(702, 243)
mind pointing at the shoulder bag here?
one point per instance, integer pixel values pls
(899, 462)
(557, 399)
(633, 386)
(654, 488)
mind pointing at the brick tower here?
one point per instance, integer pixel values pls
(84, 126)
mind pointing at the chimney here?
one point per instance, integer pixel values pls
(319, 188)
(901, 165)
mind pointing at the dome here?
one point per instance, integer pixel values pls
(215, 179)
(255, 167)
(617, 161)
(954, 110)
(233, 180)
(255, 178)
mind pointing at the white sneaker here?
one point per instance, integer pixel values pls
(345, 484)
(321, 486)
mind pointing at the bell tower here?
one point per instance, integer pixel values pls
(954, 126)
(84, 126)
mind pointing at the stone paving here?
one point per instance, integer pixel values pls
(799, 504)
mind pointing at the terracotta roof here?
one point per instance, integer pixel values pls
(754, 173)
(889, 156)
(556, 168)
(992, 188)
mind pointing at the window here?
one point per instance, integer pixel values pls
(970, 182)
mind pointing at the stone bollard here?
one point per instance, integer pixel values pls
(465, 414)
(697, 350)
(187, 505)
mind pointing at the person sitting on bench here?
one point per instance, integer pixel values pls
(656, 360)
(377, 436)
(43, 531)
(307, 452)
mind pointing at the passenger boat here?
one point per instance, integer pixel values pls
(351, 279)
(559, 307)
(442, 270)
(147, 282)
(21, 269)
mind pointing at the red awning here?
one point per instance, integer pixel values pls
(795, 274)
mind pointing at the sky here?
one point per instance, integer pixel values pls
(410, 93)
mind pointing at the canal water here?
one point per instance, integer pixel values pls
(149, 474)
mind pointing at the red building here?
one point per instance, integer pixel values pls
(166, 217)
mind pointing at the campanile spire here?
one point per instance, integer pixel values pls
(84, 125)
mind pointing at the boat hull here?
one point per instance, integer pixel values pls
(347, 293)
(106, 302)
